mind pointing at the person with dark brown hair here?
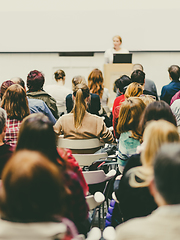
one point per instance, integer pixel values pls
(37, 134)
(32, 196)
(59, 91)
(35, 82)
(4, 86)
(15, 103)
(169, 90)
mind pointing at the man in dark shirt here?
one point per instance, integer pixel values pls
(139, 77)
(173, 87)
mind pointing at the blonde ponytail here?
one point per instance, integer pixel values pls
(81, 92)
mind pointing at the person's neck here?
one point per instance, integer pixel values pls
(1, 141)
(60, 83)
(117, 49)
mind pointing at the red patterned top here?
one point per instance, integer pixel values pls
(12, 131)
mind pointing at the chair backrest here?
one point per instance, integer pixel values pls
(61, 109)
(109, 233)
(88, 159)
(98, 176)
(80, 145)
(95, 200)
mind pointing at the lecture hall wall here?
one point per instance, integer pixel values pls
(145, 26)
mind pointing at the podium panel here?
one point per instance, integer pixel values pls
(113, 72)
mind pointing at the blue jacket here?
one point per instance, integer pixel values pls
(169, 90)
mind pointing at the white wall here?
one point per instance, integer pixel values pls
(88, 25)
(12, 65)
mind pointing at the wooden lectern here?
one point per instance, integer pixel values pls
(113, 72)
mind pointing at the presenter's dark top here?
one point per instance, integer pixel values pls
(93, 107)
(169, 90)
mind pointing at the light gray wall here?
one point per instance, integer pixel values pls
(88, 25)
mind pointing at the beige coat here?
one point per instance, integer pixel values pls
(92, 127)
(163, 223)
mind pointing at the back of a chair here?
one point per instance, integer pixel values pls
(95, 200)
(94, 177)
(80, 145)
(61, 109)
(88, 159)
(98, 176)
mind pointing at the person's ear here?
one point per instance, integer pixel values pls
(73, 97)
(152, 188)
(156, 195)
(4, 129)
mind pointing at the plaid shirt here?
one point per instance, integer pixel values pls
(12, 130)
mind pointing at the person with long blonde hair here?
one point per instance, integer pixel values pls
(94, 104)
(79, 124)
(133, 194)
(130, 136)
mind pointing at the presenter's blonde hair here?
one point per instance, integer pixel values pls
(117, 36)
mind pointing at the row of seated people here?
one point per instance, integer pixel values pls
(138, 141)
(81, 124)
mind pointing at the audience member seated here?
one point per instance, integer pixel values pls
(37, 134)
(130, 137)
(79, 124)
(156, 111)
(35, 82)
(5, 149)
(120, 83)
(33, 199)
(93, 105)
(139, 77)
(96, 85)
(175, 107)
(58, 91)
(133, 90)
(134, 198)
(4, 86)
(149, 84)
(36, 105)
(15, 103)
(169, 90)
(163, 223)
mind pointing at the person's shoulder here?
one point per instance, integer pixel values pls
(133, 229)
(124, 50)
(66, 116)
(109, 50)
(94, 96)
(93, 117)
(69, 96)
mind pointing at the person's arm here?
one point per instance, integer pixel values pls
(58, 126)
(163, 94)
(48, 113)
(69, 103)
(115, 122)
(105, 134)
